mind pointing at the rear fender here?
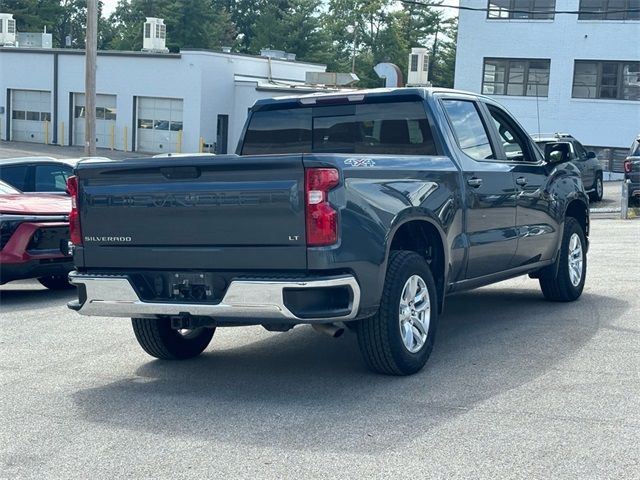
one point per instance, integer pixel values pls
(423, 216)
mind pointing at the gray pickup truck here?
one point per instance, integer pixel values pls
(365, 209)
(632, 173)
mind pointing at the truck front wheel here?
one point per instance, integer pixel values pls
(158, 339)
(399, 338)
(598, 189)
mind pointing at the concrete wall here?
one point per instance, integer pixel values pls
(204, 80)
(611, 123)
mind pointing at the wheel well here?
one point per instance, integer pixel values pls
(423, 238)
(578, 210)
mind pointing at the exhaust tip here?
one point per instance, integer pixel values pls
(334, 331)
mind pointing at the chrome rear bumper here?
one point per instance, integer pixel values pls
(256, 300)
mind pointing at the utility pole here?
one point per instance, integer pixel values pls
(91, 47)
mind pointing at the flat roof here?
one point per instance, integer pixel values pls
(250, 55)
(77, 51)
(130, 53)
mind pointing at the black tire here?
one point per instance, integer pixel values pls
(598, 189)
(158, 339)
(379, 336)
(555, 282)
(56, 282)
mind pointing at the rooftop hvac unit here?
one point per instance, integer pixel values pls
(7, 30)
(277, 54)
(418, 68)
(330, 78)
(154, 36)
(34, 40)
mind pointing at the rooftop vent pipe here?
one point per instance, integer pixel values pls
(391, 74)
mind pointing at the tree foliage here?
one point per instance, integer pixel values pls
(347, 35)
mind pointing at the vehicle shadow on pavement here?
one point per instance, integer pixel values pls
(17, 299)
(298, 390)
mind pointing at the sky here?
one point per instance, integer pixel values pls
(110, 5)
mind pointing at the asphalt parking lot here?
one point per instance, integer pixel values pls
(516, 388)
(27, 149)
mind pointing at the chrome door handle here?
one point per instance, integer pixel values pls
(474, 182)
(522, 181)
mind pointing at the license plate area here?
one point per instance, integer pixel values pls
(180, 287)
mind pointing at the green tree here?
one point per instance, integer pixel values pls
(347, 35)
(367, 32)
(443, 64)
(190, 23)
(61, 18)
(290, 25)
(33, 15)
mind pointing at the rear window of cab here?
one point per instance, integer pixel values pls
(397, 128)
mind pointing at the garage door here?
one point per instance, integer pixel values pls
(159, 124)
(105, 119)
(29, 111)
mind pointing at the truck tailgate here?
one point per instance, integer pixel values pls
(193, 213)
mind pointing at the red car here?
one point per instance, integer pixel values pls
(33, 227)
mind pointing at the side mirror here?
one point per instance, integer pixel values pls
(557, 152)
(591, 155)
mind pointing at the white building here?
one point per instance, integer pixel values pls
(146, 101)
(570, 73)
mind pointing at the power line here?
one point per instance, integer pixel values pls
(534, 11)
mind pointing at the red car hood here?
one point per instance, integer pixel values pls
(35, 204)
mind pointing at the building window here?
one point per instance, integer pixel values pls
(11, 26)
(147, 30)
(606, 80)
(515, 76)
(1, 24)
(521, 9)
(609, 10)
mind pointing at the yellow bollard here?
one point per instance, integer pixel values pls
(61, 138)
(46, 132)
(179, 146)
(113, 137)
(125, 139)
(201, 145)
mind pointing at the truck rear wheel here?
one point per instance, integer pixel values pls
(158, 339)
(399, 338)
(564, 280)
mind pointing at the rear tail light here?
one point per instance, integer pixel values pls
(321, 217)
(75, 233)
(628, 166)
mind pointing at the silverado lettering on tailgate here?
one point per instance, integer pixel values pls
(213, 199)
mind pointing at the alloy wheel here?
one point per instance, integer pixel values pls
(414, 313)
(575, 259)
